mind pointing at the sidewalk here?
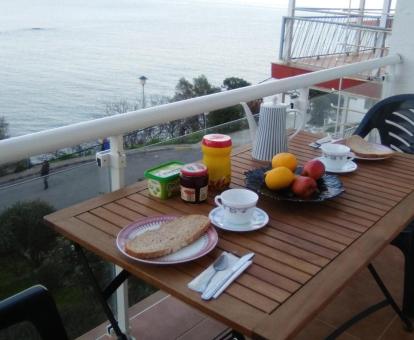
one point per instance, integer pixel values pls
(238, 138)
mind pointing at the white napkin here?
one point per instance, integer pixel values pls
(198, 282)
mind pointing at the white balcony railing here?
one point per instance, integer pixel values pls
(16, 148)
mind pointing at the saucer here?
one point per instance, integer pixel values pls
(350, 166)
(260, 219)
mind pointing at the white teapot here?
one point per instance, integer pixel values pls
(270, 137)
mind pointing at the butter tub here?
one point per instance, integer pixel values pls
(164, 180)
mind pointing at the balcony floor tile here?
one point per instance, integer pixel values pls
(162, 317)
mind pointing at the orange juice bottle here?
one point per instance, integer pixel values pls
(216, 150)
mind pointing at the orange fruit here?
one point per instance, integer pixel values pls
(279, 178)
(285, 159)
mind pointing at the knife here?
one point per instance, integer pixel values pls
(208, 294)
(231, 279)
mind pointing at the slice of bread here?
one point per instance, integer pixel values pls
(169, 238)
(364, 149)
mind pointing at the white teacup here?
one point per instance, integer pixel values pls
(237, 204)
(336, 155)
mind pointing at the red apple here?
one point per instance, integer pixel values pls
(313, 168)
(304, 186)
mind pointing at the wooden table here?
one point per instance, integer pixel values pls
(304, 257)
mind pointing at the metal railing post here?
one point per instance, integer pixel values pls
(118, 164)
(282, 39)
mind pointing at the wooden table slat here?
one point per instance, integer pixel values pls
(99, 223)
(273, 265)
(123, 211)
(299, 242)
(109, 216)
(135, 206)
(273, 253)
(306, 236)
(290, 249)
(256, 270)
(359, 203)
(309, 223)
(248, 294)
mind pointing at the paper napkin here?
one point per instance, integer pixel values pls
(221, 279)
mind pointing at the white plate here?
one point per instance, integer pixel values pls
(193, 251)
(350, 166)
(372, 158)
(260, 219)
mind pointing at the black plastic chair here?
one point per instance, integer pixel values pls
(393, 117)
(37, 306)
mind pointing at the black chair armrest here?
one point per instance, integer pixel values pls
(37, 306)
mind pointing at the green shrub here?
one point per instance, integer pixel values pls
(23, 232)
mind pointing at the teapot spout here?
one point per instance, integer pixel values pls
(250, 120)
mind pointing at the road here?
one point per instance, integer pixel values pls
(72, 182)
(82, 181)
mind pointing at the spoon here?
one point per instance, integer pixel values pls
(218, 265)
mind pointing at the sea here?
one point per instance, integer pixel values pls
(63, 61)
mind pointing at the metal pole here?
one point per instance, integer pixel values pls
(289, 31)
(359, 22)
(118, 164)
(401, 41)
(338, 107)
(143, 96)
(383, 24)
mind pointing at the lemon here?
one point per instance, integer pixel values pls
(285, 159)
(279, 178)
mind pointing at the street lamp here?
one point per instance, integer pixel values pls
(143, 80)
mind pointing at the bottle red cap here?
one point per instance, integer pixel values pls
(194, 170)
(217, 140)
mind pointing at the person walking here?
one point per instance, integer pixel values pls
(44, 172)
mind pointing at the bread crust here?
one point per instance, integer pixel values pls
(361, 148)
(169, 238)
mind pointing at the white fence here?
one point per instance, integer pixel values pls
(16, 148)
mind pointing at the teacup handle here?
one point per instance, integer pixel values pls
(301, 125)
(351, 156)
(217, 200)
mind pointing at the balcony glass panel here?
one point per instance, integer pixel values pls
(31, 253)
(325, 117)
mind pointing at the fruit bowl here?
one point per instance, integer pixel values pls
(329, 186)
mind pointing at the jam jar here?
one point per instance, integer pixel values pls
(194, 182)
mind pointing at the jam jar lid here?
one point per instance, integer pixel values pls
(194, 170)
(217, 140)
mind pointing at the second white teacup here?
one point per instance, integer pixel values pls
(237, 204)
(336, 155)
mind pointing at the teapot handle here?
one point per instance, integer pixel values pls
(302, 123)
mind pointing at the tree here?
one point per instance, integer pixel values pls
(186, 90)
(4, 128)
(200, 87)
(231, 113)
(232, 83)
(183, 90)
(320, 107)
(13, 167)
(140, 136)
(23, 232)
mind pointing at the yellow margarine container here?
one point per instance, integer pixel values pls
(216, 150)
